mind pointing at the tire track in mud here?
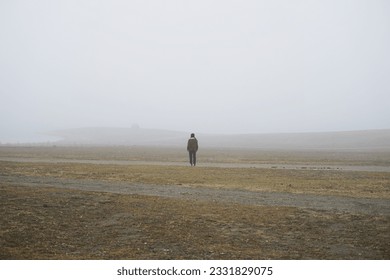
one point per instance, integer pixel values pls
(372, 206)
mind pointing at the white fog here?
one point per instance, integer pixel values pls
(201, 66)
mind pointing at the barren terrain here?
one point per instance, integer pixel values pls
(146, 203)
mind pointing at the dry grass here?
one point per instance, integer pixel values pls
(54, 223)
(208, 155)
(47, 223)
(321, 182)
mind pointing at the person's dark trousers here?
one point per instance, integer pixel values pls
(192, 158)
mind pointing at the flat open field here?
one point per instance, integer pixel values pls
(147, 203)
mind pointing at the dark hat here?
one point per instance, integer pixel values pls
(192, 134)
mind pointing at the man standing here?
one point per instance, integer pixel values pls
(192, 148)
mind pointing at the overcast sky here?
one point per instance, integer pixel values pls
(222, 66)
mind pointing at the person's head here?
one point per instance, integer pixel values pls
(192, 134)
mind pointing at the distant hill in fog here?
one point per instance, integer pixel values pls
(120, 136)
(369, 139)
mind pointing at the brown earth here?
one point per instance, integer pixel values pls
(93, 211)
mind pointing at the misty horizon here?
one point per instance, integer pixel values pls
(54, 136)
(144, 137)
(219, 67)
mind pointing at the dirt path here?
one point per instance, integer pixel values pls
(318, 202)
(366, 168)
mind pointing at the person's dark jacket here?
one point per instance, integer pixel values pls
(192, 145)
